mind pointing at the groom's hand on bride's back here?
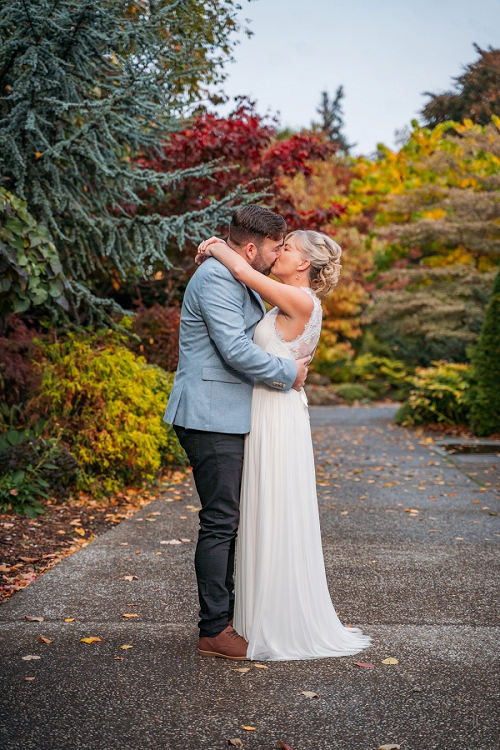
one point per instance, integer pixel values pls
(302, 367)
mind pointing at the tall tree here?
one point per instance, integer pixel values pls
(332, 119)
(86, 89)
(485, 411)
(476, 94)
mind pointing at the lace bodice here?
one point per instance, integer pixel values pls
(305, 344)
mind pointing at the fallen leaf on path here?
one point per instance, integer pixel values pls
(118, 658)
(285, 747)
(123, 544)
(130, 578)
(364, 664)
(171, 541)
(30, 657)
(44, 640)
(138, 552)
(309, 694)
(186, 540)
(344, 512)
(29, 679)
(8, 525)
(80, 531)
(129, 615)
(91, 639)
(492, 513)
(248, 729)
(69, 619)
(4, 568)
(390, 660)
(29, 559)
(126, 646)
(243, 670)
(236, 742)
(389, 747)
(459, 538)
(30, 618)
(260, 666)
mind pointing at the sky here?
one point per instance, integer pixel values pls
(386, 54)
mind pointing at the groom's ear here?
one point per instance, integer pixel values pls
(250, 251)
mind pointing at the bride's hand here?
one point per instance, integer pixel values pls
(204, 251)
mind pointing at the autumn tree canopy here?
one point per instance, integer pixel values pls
(475, 95)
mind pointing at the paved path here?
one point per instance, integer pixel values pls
(423, 584)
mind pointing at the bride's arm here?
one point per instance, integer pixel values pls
(291, 300)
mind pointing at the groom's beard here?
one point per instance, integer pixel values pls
(260, 265)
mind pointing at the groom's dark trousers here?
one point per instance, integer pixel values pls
(217, 461)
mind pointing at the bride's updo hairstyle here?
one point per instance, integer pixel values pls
(324, 256)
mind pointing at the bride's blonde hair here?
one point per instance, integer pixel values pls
(323, 254)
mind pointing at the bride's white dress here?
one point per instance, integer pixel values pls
(282, 606)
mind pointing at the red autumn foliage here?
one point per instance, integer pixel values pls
(17, 377)
(251, 153)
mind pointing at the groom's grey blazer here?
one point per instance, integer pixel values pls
(218, 361)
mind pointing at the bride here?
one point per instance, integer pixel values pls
(282, 603)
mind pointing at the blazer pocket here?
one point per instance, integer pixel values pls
(220, 375)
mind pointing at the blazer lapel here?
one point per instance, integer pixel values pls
(257, 298)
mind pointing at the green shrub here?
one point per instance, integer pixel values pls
(30, 470)
(31, 274)
(380, 374)
(54, 464)
(485, 406)
(351, 392)
(22, 491)
(108, 404)
(440, 393)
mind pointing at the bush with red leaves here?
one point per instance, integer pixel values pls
(246, 144)
(158, 329)
(17, 377)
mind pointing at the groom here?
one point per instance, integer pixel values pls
(209, 408)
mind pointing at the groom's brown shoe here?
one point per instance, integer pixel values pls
(226, 645)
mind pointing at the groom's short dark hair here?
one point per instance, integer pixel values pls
(254, 224)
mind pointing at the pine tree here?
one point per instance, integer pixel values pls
(86, 88)
(332, 119)
(476, 96)
(485, 410)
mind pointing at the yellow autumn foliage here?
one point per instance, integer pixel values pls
(108, 404)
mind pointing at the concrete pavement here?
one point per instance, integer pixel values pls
(410, 556)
